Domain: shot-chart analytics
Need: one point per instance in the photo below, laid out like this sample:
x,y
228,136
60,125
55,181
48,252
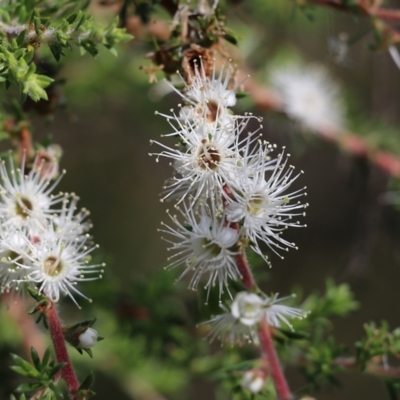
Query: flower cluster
x,y
230,192
43,238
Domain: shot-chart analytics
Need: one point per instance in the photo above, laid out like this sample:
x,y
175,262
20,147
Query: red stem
x,y
269,353
381,13
60,349
245,271
389,15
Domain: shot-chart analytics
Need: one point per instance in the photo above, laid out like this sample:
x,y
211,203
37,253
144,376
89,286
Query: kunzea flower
x,y
260,201
310,97
12,247
276,313
26,199
207,96
203,162
228,329
71,221
239,324
56,263
247,308
203,245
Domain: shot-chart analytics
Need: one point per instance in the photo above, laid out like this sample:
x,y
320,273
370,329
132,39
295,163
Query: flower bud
x,y
82,336
247,308
88,338
47,161
254,380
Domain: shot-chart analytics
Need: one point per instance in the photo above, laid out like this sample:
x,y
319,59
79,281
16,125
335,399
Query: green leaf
x,y
46,356
21,38
36,359
231,39
57,50
72,18
295,334
26,387
22,365
88,382
29,56
58,367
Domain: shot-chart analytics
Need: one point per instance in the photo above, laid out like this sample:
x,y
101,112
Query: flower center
x,y
213,111
52,266
213,249
249,309
208,156
205,249
256,204
23,206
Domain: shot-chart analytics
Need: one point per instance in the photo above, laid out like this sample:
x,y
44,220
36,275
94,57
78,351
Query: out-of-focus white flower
x,y
278,313
56,263
88,338
394,53
260,202
254,380
26,200
239,324
71,222
310,97
228,329
247,308
204,246
10,272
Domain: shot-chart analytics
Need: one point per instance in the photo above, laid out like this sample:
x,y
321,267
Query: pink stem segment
x,y
245,271
389,15
269,353
60,349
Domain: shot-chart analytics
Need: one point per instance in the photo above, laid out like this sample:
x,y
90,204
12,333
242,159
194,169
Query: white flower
x,y
260,202
56,263
240,324
204,162
247,308
204,247
228,329
206,99
26,199
71,222
10,273
277,313
310,97
88,338
254,380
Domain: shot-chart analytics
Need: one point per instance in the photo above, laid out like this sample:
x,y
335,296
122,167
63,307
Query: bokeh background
x,y
352,234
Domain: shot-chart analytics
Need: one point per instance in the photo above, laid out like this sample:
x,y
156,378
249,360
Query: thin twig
x,y
268,100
